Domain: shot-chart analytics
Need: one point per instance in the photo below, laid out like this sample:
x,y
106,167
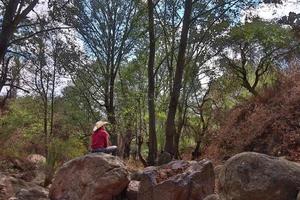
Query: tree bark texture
x,y
177,84
152,154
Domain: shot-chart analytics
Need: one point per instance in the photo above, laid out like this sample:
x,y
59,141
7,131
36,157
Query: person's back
x,y
100,140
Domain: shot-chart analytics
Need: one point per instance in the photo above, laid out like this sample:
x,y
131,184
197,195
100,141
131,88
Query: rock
x,y
94,176
36,159
36,176
254,176
136,176
180,180
298,197
31,194
6,189
16,189
217,170
132,190
21,164
212,197
39,177
164,158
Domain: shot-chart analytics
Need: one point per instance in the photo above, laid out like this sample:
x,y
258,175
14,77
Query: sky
x,y
271,11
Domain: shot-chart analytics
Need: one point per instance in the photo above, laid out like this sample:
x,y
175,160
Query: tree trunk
x,y
176,145
46,126
140,143
110,110
10,22
151,87
175,93
196,152
8,27
127,143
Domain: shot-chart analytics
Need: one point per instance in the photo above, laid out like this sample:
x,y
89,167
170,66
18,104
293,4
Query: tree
x,y
106,28
207,22
175,93
152,154
44,73
204,121
253,49
14,13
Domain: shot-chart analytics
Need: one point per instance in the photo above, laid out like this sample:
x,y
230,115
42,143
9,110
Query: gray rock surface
x,y
254,176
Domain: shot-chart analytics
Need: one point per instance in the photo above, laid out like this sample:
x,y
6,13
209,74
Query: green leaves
x,y
267,34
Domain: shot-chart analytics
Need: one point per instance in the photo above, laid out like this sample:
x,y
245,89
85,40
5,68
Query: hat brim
x,y
99,125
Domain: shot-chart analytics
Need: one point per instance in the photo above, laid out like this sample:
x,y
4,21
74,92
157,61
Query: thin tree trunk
x,y
46,125
177,84
196,152
140,143
151,87
110,110
52,99
127,143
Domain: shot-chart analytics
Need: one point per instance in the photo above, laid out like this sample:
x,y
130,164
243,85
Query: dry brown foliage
x,y
268,124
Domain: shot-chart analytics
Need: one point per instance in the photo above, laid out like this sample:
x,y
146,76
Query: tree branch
x,y
36,33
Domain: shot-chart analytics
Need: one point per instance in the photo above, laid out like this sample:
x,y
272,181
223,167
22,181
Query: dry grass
x,y
133,165
267,124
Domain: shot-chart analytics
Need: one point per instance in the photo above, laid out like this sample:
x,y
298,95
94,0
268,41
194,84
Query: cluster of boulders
x,y
24,181
246,176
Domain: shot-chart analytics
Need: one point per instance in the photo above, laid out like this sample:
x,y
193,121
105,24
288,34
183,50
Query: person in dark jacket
x,y
100,139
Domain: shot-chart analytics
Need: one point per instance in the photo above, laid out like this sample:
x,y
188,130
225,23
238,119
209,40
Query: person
x,y
100,140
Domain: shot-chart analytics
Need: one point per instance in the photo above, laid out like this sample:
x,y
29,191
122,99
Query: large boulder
x,y
254,176
180,180
17,189
92,177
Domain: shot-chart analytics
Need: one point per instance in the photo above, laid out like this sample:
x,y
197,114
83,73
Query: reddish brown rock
x,y
212,197
180,180
132,190
17,189
92,177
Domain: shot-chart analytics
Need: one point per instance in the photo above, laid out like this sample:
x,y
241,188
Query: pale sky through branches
x,y
272,11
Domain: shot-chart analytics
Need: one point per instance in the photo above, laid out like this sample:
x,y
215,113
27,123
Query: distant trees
x,y
20,23
14,13
253,49
44,69
161,72
201,37
14,17
107,29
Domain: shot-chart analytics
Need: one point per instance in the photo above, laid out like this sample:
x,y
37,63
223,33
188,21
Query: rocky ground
x,y
22,179
245,176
